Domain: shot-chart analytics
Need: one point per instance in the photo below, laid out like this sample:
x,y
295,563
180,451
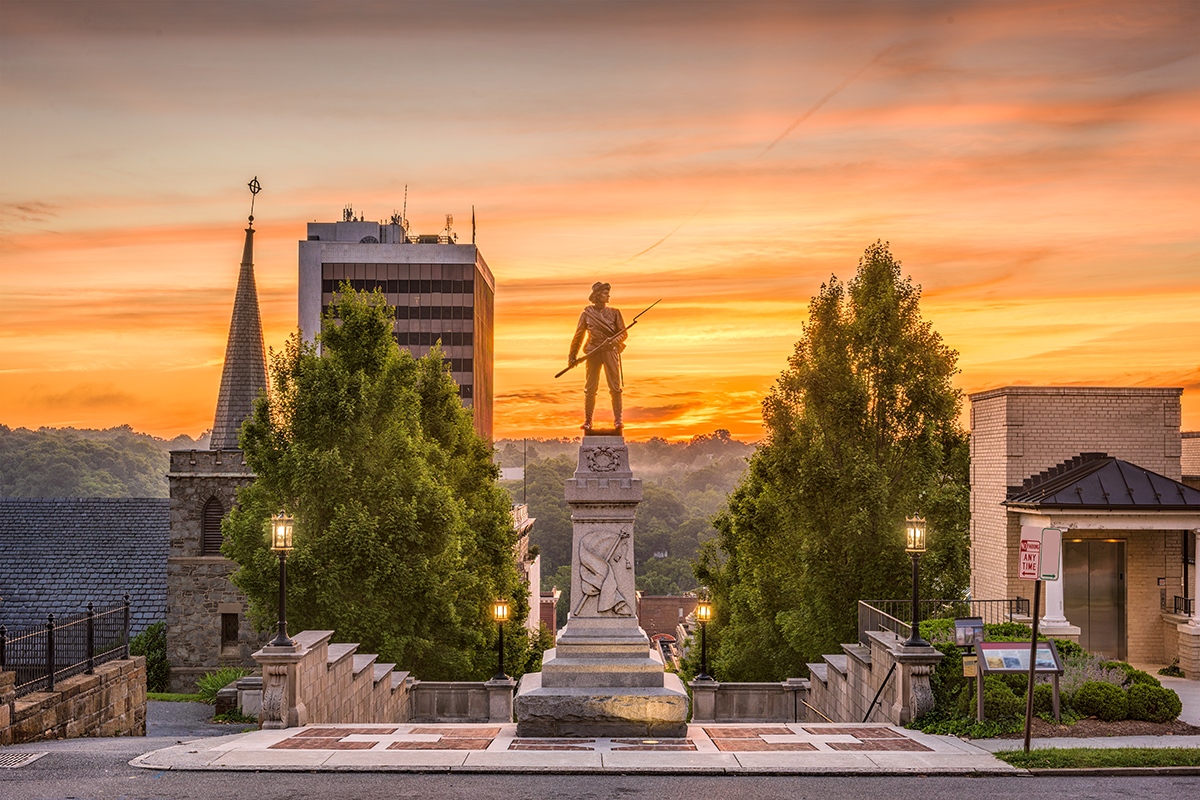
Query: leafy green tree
x,y
403,537
545,493
861,431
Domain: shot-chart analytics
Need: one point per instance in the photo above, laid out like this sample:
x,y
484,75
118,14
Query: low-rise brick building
x,y
1103,466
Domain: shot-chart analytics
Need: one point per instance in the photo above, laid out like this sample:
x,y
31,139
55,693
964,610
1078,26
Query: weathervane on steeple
x,y
255,188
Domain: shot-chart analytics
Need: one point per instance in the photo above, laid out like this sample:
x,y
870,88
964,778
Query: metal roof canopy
x,y
1096,481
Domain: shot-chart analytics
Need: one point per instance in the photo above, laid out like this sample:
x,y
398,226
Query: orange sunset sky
x,y
1035,167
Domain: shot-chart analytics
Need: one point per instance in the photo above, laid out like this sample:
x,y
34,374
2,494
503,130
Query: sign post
x,y
1038,560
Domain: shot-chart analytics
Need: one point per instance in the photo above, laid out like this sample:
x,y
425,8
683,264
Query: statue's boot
x,y
589,408
617,407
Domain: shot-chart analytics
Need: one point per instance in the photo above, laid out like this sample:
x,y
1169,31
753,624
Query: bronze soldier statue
x,y
606,335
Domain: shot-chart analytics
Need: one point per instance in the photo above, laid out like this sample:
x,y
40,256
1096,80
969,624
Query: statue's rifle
x,y
609,341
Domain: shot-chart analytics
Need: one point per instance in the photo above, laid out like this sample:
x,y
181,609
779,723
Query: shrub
x,y
1172,671
999,700
1103,700
213,682
152,643
1043,699
1068,649
1153,703
999,631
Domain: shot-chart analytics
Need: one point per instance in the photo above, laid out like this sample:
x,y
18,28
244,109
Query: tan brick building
x,y
1103,466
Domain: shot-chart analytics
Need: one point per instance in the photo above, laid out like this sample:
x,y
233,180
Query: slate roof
x,y
58,553
1099,481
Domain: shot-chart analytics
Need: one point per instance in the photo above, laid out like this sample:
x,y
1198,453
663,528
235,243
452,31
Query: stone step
x,y
398,679
819,671
362,662
858,653
382,671
838,662
337,652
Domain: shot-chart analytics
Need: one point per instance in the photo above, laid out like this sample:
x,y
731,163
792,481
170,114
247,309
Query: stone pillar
x,y
281,703
913,666
1054,623
500,700
602,678
1189,632
704,700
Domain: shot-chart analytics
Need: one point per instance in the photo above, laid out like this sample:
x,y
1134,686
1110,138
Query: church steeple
x,y
244,376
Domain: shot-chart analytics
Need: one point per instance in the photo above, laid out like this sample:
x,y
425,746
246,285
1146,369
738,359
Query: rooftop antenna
x,y
472,224
348,214
404,208
255,188
449,222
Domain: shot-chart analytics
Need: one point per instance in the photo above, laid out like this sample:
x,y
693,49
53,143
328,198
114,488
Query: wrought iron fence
x,y
41,655
1184,605
896,615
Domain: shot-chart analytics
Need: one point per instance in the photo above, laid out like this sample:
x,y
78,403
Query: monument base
x,y
602,711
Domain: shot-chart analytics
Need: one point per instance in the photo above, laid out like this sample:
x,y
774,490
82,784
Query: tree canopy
x,y
861,432
402,534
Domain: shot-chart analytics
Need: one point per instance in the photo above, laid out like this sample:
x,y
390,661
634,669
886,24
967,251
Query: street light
x,y
500,614
703,615
281,542
914,544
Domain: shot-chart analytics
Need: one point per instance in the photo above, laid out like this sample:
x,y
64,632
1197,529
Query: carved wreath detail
x,y
603,459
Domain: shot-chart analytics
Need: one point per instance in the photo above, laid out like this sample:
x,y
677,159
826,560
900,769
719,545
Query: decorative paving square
x,y
653,745
717,732
446,743
858,732
905,745
586,745
459,733
316,743
760,746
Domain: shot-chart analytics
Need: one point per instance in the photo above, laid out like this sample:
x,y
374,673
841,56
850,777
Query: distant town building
x,y
441,290
661,614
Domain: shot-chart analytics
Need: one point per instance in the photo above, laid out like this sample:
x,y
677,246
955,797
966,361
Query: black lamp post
x,y
500,614
703,615
914,544
281,542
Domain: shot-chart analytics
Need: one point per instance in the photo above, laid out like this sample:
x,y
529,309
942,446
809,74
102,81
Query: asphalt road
x,y
91,769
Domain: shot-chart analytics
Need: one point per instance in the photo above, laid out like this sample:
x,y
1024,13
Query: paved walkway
x,y
708,749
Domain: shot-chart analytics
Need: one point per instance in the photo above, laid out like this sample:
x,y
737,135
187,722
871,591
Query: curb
x,y
1110,772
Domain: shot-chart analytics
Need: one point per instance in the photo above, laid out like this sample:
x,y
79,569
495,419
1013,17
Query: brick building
x,y
661,614
1103,466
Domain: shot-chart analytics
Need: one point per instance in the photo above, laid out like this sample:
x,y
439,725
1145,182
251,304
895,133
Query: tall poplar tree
x,y
861,432
402,535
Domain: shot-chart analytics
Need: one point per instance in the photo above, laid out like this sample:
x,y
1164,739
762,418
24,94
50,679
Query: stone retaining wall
x,y
713,701
844,686
110,702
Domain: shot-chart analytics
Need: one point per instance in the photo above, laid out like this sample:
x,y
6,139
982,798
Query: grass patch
x,y
1066,758
174,697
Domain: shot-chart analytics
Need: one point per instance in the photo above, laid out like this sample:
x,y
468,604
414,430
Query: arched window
x,y
210,528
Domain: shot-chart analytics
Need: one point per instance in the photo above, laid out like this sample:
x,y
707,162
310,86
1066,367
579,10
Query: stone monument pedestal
x,y
602,678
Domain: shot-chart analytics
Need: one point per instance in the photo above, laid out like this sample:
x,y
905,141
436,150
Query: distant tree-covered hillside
x,y
70,462
684,485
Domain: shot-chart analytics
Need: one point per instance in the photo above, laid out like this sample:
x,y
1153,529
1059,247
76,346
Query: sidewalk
x,y
794,748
